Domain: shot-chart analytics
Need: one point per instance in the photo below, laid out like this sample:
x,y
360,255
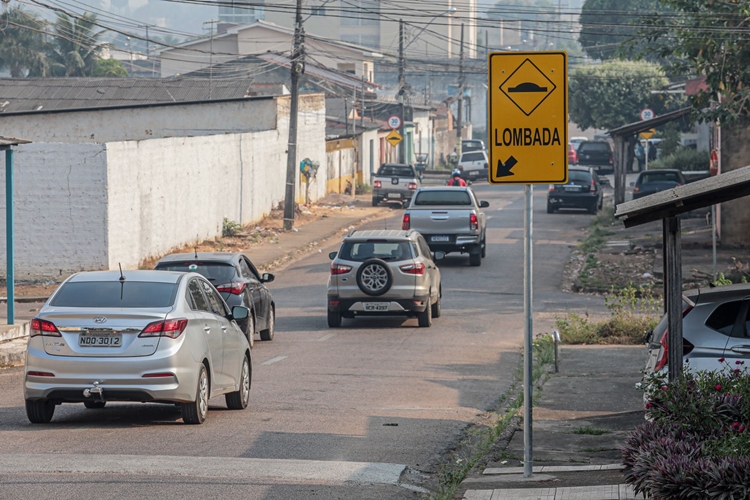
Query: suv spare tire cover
x,y
374,277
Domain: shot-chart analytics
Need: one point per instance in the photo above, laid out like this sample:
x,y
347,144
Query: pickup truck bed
x,y
450,219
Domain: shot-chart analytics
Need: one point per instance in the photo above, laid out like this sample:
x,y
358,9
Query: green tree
x,y
76,46
707,38
612,94
606,24
110,68
22,45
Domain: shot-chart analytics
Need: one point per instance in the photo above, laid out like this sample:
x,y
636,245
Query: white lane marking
x,y
323,339
273,360
489,217
247,468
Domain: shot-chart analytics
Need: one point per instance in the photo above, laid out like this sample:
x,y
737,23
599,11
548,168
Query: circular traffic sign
x,y
647,114
394,121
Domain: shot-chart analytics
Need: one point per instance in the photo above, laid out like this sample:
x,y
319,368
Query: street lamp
x,y
402,78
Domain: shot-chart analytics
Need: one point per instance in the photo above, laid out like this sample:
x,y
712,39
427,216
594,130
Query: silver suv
x,y
384,273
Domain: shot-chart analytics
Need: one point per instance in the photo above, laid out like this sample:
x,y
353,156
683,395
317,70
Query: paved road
x,y
344,413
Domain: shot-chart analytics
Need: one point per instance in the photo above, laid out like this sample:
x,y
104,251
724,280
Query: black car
x,y
238,282
583,190
597,154
653,181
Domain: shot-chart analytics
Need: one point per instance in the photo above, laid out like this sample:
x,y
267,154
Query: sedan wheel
x,y
425,318
40,411
238,400
196,411
267,334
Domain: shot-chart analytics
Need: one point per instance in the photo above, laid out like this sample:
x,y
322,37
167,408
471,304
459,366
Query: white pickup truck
x,y
394,182
450,219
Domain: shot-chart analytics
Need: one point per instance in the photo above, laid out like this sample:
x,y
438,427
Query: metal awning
x,y
643,125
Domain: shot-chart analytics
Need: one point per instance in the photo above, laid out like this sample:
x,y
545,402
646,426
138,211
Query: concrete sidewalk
x,y
267,256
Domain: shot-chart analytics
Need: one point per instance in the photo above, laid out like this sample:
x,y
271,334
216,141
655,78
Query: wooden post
x,y
673,272
619,173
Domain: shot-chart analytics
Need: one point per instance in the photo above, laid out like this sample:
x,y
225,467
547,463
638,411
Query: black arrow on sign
x,y
503,169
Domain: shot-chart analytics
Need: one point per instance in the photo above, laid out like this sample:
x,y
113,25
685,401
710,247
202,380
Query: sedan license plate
x,y
440,238
572,188
375,306
100,340
394,195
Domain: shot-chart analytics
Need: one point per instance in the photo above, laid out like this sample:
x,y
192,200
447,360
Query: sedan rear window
x,y
114,295
395,171
217,273
577,175
455,197
387,250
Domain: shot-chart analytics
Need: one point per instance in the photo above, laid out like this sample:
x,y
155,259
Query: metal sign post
x,y
528,128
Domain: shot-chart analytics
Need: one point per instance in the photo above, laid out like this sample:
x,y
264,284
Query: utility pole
x,y
210,57
401,91
297,68
362,105
460,95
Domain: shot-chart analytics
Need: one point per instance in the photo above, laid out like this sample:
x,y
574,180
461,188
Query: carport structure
x,y
668,205
625,138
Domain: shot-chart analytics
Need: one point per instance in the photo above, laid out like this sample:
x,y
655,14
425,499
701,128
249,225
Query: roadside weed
x,y
591,431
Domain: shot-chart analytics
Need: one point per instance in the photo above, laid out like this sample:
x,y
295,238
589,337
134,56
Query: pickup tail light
x,y
43,328
686,346
473,222
406,222
171,328
417,268
233,288
377,184
337,269
412,186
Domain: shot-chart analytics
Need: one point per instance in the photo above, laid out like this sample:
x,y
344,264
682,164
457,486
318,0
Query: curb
x,y
24,300
13,353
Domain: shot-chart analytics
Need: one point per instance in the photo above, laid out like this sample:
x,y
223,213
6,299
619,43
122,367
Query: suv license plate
x,y
102,340
376,306
394,195
440,238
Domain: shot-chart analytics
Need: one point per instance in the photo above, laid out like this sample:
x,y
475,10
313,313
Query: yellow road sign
x,y
394,138
647,134
528,110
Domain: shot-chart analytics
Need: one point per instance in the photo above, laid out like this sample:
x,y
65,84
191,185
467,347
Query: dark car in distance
x,y
654,181
597,154
583,190
237,280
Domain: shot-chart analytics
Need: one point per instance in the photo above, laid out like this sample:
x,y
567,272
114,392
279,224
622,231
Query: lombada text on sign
x,y
527,137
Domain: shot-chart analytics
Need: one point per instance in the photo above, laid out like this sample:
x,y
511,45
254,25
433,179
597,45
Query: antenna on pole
x,y
195,249
122,276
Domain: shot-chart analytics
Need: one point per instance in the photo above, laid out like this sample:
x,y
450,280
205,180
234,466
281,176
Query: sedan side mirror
x,y
484,204
240,312
332,255
438,255
267,278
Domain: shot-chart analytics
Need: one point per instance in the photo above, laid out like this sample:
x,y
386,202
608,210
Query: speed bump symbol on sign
x,y
394,138
528,110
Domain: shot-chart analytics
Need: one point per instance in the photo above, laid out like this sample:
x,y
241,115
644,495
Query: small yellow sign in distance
x,y
528,117
394,138
647,134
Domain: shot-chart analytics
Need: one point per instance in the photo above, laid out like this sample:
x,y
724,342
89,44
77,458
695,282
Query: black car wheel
x,y
334,319
40,411
374,277
267,334
550,208
375,202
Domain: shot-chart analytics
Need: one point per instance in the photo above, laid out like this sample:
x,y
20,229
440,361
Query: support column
x,y
673,271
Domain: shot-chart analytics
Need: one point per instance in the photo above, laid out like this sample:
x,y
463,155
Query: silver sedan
x,y
144,336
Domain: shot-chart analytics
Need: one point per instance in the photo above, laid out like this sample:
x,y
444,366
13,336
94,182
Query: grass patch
x,y
596,450
479,441
591,431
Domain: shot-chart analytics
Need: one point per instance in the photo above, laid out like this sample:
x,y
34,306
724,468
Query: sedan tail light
x,y
337,269
686,346
43,328
233,288
377,184
417,268
171,328
473,222
636,189
406,222
412,186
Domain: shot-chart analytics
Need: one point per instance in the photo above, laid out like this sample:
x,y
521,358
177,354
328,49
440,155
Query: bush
x,y
685,159
696,445
230,228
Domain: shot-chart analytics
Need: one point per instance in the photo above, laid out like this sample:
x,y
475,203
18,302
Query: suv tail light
x,y
611,160
233,288
337,269
171,328
377,184
592,188
406,222
417,268
686,346
473,222
412,186
43,328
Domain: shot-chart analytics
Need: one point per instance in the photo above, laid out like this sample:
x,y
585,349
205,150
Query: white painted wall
x,y
60,210
364,154
143,122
